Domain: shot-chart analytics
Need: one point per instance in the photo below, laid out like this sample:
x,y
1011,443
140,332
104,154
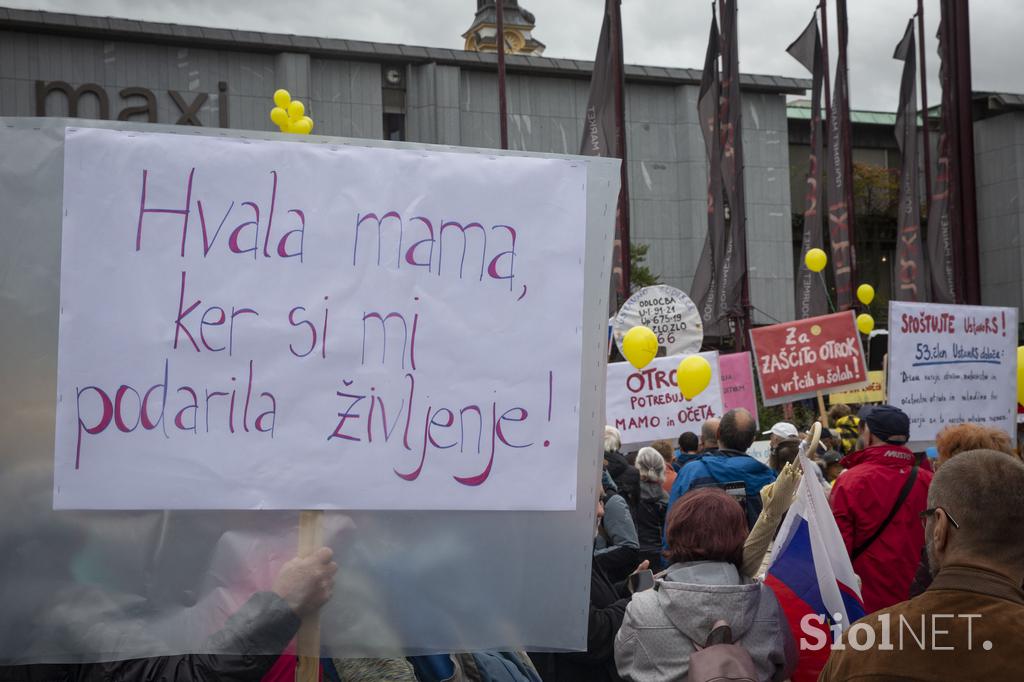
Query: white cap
x,y
782,430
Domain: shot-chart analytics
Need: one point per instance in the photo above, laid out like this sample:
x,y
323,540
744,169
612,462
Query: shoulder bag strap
x,y
857,551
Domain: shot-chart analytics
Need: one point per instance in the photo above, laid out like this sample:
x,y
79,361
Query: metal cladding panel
x,y
693,180
650,103
999,172
769,213
346,97
655,219
479,92
653,141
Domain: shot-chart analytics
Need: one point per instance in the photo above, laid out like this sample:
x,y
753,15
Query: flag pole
x,y
500,43
843,29
620,131
823,5
924,103
748,319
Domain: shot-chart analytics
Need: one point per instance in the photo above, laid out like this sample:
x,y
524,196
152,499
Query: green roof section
x,y
801,110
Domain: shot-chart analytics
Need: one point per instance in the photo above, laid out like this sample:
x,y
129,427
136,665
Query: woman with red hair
x,y
662,627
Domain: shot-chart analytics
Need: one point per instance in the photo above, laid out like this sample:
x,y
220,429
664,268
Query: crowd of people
x,y
681,547
935,542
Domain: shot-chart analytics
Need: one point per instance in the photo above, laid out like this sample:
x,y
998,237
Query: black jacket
x,y
263,625
650,518
626,477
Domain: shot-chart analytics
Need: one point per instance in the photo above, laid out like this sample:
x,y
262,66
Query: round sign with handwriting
x,y
669,313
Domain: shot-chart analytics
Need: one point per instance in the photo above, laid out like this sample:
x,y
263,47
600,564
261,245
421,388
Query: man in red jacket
x,y
877,502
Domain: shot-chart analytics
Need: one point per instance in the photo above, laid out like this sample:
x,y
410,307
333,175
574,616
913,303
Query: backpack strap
x,y
720,633
904,491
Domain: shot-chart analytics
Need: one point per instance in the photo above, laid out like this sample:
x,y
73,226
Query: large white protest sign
x,y
953,364
646,405
253,324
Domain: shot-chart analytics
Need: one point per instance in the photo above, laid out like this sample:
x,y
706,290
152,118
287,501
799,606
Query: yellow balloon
x,y
640,346
282,98
301,127
865,323
310,121
296,110
279,116
286,127
815,260
693,376
865,294
1020,375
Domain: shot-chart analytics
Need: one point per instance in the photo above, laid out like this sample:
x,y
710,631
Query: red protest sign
x,y
797,359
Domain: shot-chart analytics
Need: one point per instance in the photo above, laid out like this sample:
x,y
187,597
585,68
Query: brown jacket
x,y
969,625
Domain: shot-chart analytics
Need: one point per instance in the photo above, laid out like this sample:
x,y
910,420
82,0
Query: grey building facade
x,y
92,67
999,182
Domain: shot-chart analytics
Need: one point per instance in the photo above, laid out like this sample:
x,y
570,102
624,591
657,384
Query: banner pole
x,y
822,414
308,642
885,378
499,6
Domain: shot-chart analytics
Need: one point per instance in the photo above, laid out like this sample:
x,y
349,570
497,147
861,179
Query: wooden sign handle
x,y
822,414
308,643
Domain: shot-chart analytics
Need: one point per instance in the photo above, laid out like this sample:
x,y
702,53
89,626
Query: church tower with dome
x,y
519,25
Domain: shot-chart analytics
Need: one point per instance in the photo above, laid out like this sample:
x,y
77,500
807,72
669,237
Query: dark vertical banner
x,y
909,254
604,135
733,290
811,297
839,190
706,281
965,182
942,204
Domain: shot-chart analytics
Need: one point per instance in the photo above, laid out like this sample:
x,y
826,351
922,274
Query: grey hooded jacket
x,y
660,626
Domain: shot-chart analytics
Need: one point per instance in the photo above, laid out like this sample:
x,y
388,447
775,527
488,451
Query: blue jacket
x,y
720,467
682,459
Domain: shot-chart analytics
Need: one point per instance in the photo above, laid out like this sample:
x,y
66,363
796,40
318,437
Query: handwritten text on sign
x,y
796,359
249,324
953,364
646,405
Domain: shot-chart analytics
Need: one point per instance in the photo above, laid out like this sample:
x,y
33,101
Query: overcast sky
x,y
656,32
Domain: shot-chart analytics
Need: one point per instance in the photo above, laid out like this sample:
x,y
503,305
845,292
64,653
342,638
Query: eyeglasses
x,y
930,512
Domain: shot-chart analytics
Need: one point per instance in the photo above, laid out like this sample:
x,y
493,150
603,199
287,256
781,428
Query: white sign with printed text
x,y
250,324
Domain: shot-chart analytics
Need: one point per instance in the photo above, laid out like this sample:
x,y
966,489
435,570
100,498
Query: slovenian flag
x,y
812,576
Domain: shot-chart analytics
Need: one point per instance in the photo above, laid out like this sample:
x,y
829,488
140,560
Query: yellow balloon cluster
x,y
816,260
865,294
640,346
290,115
693,376
1020,375
865,323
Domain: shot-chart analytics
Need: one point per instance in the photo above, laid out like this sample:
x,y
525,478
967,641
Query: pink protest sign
x,y
738,382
